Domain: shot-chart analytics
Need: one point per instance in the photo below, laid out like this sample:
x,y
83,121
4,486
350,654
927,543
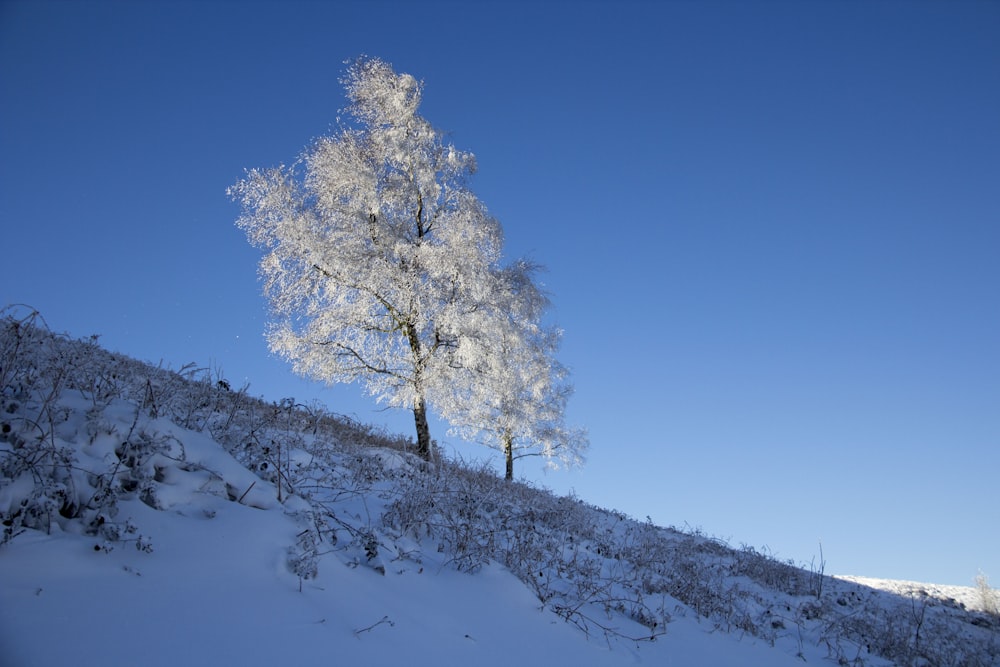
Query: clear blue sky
x,y
772,231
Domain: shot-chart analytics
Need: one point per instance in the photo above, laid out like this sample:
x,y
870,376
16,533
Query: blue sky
x,y
771,230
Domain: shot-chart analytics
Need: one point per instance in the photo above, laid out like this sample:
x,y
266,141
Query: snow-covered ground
x,y
969,597
216,591
161,520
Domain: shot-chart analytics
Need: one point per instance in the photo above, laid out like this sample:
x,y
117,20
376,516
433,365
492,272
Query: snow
x,y
377,558
215,591
965,596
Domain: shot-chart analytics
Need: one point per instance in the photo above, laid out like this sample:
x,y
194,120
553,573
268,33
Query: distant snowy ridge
x,y
165,518
969,597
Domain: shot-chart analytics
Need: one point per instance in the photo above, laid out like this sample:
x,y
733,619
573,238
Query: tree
x,y
513,392
377,251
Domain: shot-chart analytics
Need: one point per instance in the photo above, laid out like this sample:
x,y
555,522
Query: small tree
x,y
377,251
512,392
989,599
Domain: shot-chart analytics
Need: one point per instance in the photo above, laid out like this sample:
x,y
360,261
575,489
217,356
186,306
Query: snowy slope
x,y
968,597
216,590
163,519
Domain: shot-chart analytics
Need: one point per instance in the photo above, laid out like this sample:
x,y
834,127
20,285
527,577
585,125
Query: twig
x,y
240,501
385,619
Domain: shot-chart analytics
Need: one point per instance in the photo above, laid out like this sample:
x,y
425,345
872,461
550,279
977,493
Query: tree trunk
x,y
423,429
420,404
508,452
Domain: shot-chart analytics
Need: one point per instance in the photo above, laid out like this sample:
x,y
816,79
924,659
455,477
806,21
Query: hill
x,y
162,518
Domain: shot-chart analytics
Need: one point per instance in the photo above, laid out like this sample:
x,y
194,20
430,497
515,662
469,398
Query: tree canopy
x,y
382,267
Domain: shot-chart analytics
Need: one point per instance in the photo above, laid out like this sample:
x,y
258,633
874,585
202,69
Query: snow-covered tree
x,y
512,392
377,251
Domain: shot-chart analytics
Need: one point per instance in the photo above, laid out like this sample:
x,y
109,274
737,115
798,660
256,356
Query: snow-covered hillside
x,y
969,597
162,518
